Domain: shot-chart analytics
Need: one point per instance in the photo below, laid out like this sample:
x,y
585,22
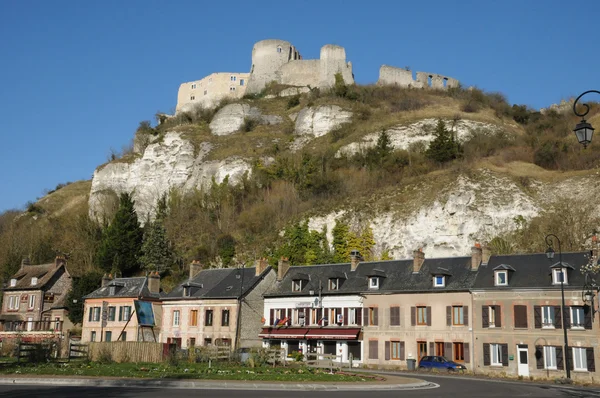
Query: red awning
x,y
310,333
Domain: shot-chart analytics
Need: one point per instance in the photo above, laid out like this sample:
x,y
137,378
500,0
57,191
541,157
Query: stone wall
x,y
268,56
252,312
301,73
333,61
390,75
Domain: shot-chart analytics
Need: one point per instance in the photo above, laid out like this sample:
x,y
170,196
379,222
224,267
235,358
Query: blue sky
x,y
77,77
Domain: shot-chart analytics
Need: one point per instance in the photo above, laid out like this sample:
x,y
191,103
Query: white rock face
x,y
288,92
230,118
464,212
321,120
165,165
402,137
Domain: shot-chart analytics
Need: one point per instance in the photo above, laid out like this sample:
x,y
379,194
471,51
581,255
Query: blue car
x,y
437,362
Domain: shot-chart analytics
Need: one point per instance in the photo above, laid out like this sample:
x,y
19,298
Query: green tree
x,y
121,244
341,236
367,243
226,248
156,253
444,146
83,285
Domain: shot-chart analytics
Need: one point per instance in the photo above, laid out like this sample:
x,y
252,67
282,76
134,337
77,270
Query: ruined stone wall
x,y
211,89
332,61
390,75
301,73
434,80
268,56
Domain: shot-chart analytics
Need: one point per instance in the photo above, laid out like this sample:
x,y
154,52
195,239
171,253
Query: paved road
x,y
449,387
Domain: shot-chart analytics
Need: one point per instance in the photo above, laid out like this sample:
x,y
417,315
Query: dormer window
x,y
439,281
374,282
187,291
112,290
501,278
13,282
559,275
334,283
297,285
34,281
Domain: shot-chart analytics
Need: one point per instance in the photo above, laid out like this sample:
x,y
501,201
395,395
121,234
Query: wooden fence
x,y
126,351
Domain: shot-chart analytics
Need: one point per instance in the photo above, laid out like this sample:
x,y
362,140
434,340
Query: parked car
x,y
438,362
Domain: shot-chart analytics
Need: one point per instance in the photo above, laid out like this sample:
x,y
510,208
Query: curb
x,y
210,385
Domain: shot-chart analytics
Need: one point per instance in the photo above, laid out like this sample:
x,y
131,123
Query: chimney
x,y
418,260
261,266
282,268
476,256
154,282
60,260
25,261
355,259
486,253
195,268
106,280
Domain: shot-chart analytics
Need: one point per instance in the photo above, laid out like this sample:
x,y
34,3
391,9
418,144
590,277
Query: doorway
x,y
523,360
421,349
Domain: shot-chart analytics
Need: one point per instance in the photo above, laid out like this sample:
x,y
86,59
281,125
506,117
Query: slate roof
x,y
532,271
218,283
43,273
136,287
396,276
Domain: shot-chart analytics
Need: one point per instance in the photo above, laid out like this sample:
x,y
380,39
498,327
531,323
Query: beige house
x,y
113,312
211,89
205,310
33,304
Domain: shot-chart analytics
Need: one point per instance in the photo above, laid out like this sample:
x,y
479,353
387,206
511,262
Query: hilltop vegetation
x,y
265,215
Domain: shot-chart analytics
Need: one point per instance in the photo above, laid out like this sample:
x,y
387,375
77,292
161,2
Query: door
x,y
29,324
523,360
421,349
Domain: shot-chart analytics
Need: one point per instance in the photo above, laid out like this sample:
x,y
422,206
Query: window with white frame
x,y
439,281
95,314
501,278
559,275
233,78
352,316
492,316
34,281
579,358
297,285
31,301
193,86
577,317
13,282
495,354
13,302
374,282
334,283
549,357
241,82
458,315
548,316
176,317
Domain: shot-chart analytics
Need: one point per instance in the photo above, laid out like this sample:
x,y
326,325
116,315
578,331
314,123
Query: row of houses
x,y
493,313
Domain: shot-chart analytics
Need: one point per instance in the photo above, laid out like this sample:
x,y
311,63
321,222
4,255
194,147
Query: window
x,y
297,285
231,88
278,49
458,316
123,336
577,317
549,357
373,282
124,313
501,278
192,97
352,316
241,82
395,350
31,301
194,318
34,281
394,316
176,315
93,336
57,323
547,316
579,359
112,311
108,336
13,282
193,86
233,78
496,354
459,351
225,318
421,315
439,281
205,92
558,274
192,341
207,341
334,283
96,314
373,315
208,318
13,302
492,316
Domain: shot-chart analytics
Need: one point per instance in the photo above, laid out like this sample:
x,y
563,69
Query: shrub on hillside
x,y
444,146
293,101
249,124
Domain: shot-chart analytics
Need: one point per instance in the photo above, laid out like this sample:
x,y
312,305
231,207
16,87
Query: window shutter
x,y
319,315
428,316
395,316
539,356
587,321
375,316
568,317
345,316
486,354
402,350
485,316
90,314
431,348
504,348
120,314
271,316
520,316
448,315
466,314
570,358
358,316
413,316
498,315
387,350
591,365
448,351
366,317
289,317
467,353
560,364
557,317
537,316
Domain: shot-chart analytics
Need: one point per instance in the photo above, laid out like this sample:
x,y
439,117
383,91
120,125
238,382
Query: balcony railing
x,y
31,326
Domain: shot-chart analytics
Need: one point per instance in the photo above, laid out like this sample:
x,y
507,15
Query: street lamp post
x,y
240,275
550,255
583,130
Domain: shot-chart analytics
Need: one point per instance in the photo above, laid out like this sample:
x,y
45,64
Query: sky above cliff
x,y
77,77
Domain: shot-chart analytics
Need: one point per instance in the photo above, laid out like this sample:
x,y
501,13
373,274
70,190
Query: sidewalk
x,y
391,383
